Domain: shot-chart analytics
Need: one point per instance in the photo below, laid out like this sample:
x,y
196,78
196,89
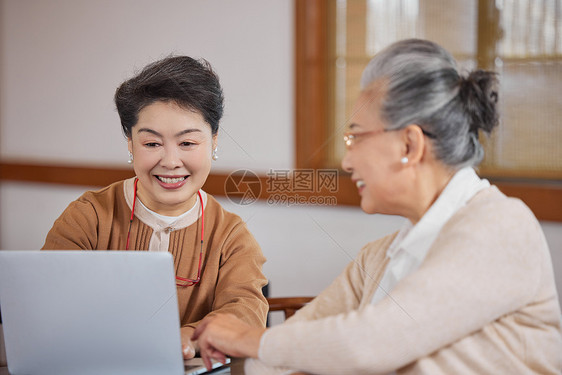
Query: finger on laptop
x,y
188,347
188,351
210,354
229,335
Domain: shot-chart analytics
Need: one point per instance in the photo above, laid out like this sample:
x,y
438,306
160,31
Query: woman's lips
x,y
360,185
171,182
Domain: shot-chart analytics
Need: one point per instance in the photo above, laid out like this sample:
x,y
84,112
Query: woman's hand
x,y
187,346
224,334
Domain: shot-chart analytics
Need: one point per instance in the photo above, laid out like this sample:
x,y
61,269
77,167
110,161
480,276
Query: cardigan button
x,y
169,229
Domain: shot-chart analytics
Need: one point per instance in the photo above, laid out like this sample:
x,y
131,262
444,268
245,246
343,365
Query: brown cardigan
x,y
231,276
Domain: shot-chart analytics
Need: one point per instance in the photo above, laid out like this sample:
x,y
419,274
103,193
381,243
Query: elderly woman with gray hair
x,y
465,287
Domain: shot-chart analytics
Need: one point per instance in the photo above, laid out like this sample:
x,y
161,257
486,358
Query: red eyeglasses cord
x,y
180,281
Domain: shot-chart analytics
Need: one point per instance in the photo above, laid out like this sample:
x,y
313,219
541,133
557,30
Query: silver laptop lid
x,y
90,312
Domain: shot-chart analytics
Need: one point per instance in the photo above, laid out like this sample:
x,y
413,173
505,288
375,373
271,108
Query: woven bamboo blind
x,y
520,39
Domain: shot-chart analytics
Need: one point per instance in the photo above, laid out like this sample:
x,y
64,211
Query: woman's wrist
x,y
253,342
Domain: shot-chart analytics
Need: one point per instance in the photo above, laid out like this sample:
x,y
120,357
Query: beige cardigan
x,y
483,301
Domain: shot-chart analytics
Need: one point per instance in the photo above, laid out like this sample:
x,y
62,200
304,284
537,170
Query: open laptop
x,y
90,312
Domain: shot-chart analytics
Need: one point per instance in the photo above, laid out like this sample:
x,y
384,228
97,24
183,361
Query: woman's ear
x,y
130,145
414,142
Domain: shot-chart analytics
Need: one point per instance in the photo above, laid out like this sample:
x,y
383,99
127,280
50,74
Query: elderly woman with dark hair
x,y
170,115
465,287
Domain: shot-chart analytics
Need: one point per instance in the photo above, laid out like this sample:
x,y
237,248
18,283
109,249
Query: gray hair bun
x,y
422,86
479,93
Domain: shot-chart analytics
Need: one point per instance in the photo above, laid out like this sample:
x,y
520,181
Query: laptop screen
x,y
90,312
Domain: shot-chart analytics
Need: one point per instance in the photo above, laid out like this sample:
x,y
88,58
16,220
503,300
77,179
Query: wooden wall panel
x,y
544,200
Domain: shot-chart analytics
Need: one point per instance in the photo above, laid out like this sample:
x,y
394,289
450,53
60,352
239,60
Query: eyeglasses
x,y
183,282
350,138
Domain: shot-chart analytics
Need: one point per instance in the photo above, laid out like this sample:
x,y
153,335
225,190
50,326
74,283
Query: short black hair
x,y
191,84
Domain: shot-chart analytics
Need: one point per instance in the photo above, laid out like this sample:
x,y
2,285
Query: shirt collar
x,y
157,223
417,239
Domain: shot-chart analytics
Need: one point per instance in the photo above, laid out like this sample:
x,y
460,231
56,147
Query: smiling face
x,y
171,149
373,156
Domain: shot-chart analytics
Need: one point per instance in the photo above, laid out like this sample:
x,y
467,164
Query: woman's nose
x,y
171,158
346,163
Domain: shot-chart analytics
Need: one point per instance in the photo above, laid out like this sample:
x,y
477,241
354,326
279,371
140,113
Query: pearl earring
x,y
404,160
215,156
130,161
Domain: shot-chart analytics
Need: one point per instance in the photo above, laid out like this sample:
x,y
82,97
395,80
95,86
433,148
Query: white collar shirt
x,y
412,243
162,226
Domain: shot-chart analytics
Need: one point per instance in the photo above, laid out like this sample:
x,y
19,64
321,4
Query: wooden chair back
x,y
289,305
